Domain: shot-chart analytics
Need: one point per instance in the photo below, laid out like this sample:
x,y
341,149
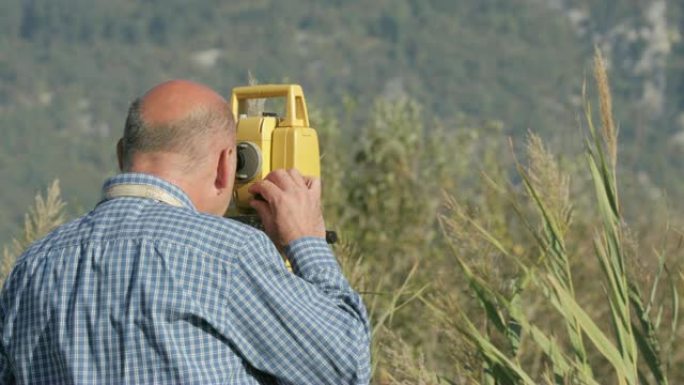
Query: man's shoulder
x,y
131,220
204,232
212,231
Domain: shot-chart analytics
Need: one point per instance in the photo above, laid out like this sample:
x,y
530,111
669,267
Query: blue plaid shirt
x,y
141,292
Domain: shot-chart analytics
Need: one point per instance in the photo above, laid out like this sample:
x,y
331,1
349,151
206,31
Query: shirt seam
x,y
63,246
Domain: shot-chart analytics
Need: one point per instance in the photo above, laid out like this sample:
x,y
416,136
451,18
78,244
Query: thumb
x,y
262,208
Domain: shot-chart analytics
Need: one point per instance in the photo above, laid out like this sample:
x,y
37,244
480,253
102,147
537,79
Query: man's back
x,y
139,291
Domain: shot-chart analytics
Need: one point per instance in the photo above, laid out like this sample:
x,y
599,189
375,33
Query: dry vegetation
x,y
529,276
46,214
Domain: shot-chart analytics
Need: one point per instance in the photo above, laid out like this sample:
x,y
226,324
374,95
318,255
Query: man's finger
x,y
262,208
282,179
267,189
297,177
314,185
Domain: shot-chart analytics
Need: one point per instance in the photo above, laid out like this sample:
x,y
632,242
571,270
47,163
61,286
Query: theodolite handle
x,y
296,114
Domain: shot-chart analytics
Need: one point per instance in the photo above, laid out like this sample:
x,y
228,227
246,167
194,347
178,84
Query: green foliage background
x,y
68,69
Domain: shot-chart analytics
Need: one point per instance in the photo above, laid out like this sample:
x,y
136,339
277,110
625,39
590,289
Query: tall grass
x,y
576,348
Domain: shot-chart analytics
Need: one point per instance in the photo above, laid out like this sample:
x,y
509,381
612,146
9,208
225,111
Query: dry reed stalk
x,y
255,107
546,177
46,214
610,133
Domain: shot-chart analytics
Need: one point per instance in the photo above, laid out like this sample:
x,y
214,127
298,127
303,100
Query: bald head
x,y
178,117
175,100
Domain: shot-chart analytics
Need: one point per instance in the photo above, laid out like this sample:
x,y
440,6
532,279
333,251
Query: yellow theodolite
x,y
267,142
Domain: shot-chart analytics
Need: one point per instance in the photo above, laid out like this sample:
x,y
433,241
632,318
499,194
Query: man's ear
x,y
223,171
119,153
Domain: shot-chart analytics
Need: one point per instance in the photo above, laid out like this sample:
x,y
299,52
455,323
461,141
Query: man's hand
x,y
291,206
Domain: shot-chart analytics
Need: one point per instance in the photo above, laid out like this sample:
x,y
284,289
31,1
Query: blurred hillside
x,y
69,68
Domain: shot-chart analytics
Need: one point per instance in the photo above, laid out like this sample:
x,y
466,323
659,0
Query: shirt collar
x,y
150,180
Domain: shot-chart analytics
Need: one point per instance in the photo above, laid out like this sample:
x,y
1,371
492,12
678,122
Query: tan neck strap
x,y
142,191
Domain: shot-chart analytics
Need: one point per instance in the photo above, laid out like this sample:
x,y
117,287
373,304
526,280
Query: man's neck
x,y
172,169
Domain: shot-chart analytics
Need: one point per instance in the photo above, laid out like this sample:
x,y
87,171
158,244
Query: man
x,y
154,287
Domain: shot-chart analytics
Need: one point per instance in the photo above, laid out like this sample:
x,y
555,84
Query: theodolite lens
x,y
240,160
248,161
